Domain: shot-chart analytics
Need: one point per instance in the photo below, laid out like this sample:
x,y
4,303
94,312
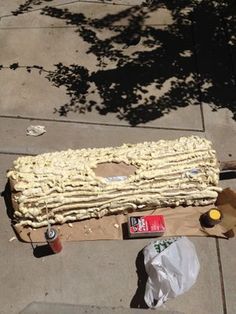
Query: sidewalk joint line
x,y
221,277
202,116
64,27
98,124
70,2
198,73
16,153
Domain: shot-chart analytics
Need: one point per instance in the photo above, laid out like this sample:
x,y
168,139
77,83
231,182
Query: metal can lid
x,y
214,214
50,233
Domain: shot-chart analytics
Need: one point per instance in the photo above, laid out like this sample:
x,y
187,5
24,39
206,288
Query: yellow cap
x,y
215,214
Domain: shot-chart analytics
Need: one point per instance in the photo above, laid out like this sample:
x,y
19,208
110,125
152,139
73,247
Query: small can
x,y
211,218
53,240
146,226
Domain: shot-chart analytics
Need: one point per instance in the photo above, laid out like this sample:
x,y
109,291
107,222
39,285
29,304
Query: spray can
x,y
53,240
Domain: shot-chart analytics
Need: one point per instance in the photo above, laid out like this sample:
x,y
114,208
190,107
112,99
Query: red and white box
x,y
146,226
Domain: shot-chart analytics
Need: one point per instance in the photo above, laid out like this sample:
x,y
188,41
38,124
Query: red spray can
x,y
53,240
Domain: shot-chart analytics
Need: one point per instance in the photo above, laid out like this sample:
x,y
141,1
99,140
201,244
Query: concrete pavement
x,y
146,92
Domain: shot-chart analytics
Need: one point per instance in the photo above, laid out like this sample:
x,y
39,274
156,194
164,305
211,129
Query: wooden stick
x,y
49,225
228,165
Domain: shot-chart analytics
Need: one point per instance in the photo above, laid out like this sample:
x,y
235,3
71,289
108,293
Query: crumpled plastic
x,y
35,130
172,266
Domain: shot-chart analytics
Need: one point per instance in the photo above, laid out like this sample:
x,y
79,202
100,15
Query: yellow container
x,y
211,218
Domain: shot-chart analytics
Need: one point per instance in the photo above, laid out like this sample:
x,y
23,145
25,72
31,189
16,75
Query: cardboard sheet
x,y
179,221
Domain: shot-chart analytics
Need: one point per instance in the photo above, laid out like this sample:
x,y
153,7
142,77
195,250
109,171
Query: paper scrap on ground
x,y
12,239
35,130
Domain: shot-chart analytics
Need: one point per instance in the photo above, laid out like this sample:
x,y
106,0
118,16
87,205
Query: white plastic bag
x,y
172,266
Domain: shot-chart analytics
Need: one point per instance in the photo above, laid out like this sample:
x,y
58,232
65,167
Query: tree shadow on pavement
x,y
126,82
28,5
146,71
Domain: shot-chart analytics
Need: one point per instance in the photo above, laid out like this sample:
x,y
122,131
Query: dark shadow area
x,y
42,251
227,175
203,222
190,60
6,194
230,234
125,231
138,298
214,54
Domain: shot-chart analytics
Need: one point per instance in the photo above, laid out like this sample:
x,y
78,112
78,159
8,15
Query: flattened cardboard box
x,y
179,221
